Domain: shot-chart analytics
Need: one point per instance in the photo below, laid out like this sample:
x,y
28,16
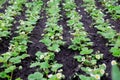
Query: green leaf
x,y
23,56
54,47
38,54
46,41
6,56
110,35
4,75
35,64
54,77
49,57
18,59
115,72
44,65
56,66
79,58
10,69
82,77
73,47
115,51
85,50
117,42
36,76
18,79
15,60
1,59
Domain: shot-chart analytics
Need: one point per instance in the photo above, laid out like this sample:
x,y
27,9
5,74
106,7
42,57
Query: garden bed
x,y
99,43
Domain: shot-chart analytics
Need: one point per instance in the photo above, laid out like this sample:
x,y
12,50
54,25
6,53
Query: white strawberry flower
x,y
97,76
113,62
97,56
102,71
42,56
59,75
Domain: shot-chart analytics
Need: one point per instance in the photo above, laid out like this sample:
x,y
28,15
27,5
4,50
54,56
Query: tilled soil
x,y
65,56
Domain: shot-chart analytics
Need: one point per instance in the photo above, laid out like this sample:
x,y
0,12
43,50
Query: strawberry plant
x,y
89,60
36,76
94,74
47,64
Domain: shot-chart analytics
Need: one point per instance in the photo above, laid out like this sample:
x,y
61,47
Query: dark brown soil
x,y
65,56
63,23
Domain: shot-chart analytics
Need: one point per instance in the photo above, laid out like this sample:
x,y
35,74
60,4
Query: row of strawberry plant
x,y
18,45
104,28
52,36
81,42
113,7
7,18
49,69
